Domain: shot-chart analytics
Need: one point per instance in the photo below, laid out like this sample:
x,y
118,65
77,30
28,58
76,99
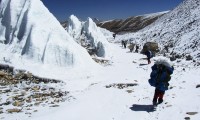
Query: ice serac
x,y
97,39
74,27
88,34
28,31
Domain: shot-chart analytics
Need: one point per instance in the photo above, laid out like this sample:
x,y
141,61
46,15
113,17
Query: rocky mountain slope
x,y
178,30
132,24
64,24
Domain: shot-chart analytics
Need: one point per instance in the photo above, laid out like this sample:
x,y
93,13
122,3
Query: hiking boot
x,y
154,101
160,101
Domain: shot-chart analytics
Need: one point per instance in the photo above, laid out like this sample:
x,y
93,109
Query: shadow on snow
x,y
142,64
147,108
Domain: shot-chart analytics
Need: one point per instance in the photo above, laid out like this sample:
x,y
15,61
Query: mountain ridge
x,y
131,24
178,29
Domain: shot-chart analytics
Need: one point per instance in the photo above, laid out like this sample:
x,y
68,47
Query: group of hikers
x,y
131,45
161,71
160,75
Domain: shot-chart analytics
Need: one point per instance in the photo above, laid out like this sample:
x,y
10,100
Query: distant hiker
x,y
149,55
136,49
131,47
160,77
114,35
125,43
166,48
122,42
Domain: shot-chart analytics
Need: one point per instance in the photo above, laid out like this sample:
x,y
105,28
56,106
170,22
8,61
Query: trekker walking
x,y
122,43
149,55
125,43
160,77
114,35
136,49
131,46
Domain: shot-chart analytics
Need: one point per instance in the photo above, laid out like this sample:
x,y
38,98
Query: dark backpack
x,y
150,54
164,77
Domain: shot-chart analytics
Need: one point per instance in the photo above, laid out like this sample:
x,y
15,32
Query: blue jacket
x,y
160,77
149,54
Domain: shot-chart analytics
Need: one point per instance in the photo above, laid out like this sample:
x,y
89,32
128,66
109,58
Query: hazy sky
x,y
107,9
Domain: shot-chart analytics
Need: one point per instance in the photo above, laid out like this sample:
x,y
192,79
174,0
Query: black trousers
x,y
158,95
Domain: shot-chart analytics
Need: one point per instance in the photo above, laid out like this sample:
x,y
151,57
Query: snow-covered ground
x,y
118,91
94,101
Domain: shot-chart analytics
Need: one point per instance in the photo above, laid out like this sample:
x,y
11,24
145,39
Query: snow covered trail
x,y
97,97
96,102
